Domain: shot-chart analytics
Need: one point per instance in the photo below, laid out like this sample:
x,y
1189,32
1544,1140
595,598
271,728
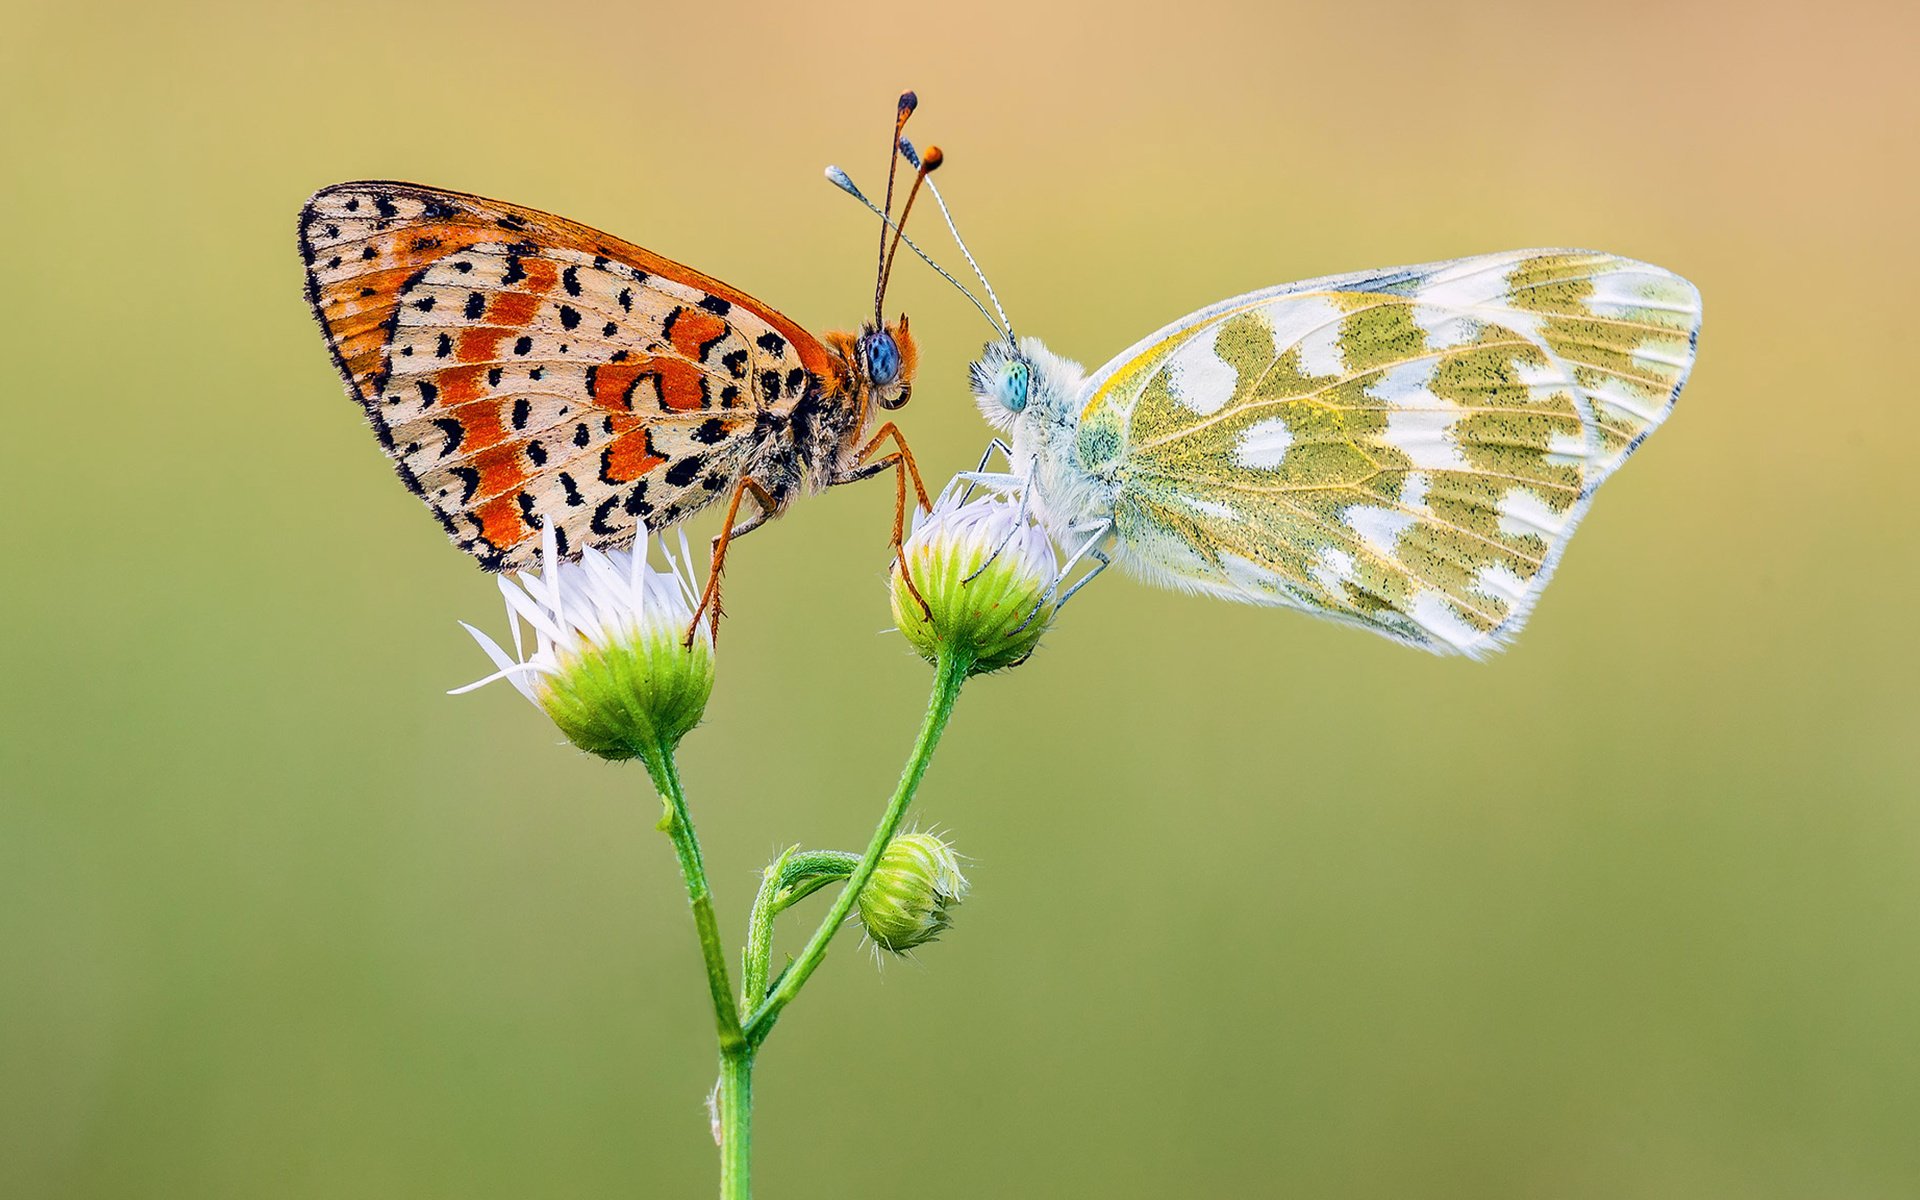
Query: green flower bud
x,y
609,665
985,573
910,898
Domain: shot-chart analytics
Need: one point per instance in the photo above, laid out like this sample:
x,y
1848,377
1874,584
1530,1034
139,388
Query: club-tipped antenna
x,y
921,171
840,179
913,160
908,102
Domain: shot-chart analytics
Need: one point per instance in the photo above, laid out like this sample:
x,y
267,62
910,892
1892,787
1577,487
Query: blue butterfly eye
x,y
883,358
1013,385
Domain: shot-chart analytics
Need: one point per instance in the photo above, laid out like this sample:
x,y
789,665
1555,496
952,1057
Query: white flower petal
x,y
601,600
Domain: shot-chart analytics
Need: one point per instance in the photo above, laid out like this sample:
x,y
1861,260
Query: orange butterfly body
x,y
523,370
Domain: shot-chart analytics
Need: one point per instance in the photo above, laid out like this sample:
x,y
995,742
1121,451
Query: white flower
x,y
987,576
608,662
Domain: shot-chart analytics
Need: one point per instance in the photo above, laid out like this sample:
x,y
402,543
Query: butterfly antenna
x,y
921,171
908,102
840,179
913,159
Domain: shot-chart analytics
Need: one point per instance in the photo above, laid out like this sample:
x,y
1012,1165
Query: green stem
x,y
753,972
795,876
736,1123
949,674
686,846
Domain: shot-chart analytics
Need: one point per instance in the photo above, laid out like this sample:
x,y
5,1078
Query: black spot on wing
x,y
455,431
601,512
688,469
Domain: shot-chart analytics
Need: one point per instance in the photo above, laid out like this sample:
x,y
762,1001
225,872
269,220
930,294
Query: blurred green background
x,y
278,918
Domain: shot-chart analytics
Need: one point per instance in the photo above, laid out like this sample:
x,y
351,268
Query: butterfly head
x,y
1012,379
887,357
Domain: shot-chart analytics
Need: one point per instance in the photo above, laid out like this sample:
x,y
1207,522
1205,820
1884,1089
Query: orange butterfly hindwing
x,y
521,368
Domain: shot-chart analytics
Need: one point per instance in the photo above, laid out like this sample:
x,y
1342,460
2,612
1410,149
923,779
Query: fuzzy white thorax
x,y
1043,424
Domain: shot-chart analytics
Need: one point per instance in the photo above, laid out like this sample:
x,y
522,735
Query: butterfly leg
x,y
1099,557
1088,549
710,597
995,480
971,477
1019,523
904,468
901,459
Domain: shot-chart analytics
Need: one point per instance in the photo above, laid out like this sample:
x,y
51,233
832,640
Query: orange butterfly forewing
x,y
522,369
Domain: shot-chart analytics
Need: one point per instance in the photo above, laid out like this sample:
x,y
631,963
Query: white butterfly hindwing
x,y
1408,450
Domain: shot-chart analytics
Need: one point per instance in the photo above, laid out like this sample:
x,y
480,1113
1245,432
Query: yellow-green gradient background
x,y
1263,907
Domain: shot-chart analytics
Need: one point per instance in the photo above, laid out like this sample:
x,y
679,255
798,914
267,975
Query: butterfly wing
x,y
1407,450
520,368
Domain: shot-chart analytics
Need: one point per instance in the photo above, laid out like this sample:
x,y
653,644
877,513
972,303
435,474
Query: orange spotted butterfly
x,y
523,370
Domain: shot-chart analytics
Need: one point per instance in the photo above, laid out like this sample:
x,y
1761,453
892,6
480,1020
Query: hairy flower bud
x,y
909,900
609,665
986,574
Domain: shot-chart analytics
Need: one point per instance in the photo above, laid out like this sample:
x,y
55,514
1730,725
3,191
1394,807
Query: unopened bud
x,y
909,900
986,576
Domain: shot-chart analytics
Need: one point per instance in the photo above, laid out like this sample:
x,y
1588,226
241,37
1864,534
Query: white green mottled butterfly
x,y
1407,450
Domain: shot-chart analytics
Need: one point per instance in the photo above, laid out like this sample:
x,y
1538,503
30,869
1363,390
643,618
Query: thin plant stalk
x,y
678,827
786,882
736,1123
950,672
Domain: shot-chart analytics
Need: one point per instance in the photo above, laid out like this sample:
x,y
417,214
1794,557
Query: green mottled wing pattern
x,y
1407,450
